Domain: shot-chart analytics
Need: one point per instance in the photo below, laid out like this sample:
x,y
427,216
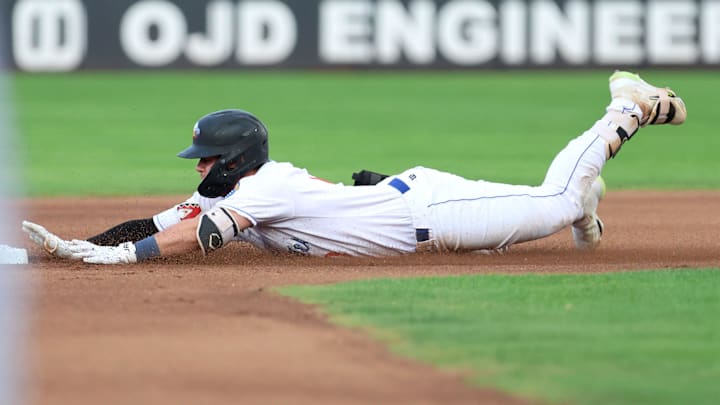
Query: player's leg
x,y
635,103
473,215
484,215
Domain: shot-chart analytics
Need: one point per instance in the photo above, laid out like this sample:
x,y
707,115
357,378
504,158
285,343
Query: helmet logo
x,y
196,131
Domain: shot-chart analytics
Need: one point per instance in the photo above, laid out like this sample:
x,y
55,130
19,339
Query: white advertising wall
x,y
66,35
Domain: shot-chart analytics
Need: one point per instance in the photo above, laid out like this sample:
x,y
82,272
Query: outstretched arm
x,y
207,232
129,231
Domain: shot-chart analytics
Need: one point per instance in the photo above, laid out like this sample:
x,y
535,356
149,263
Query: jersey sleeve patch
x,y
188,210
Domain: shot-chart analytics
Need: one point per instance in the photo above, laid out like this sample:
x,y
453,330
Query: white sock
x,y
623,116
625,106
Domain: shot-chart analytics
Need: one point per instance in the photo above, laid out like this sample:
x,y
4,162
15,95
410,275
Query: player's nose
x,y
204,165
201,168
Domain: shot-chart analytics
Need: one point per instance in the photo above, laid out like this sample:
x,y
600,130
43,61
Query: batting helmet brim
x,y
202,151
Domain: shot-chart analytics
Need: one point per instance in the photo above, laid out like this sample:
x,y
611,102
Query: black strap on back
x,y
367,178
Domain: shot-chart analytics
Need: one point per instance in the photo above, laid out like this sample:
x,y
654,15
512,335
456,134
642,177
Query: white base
x,y
11,255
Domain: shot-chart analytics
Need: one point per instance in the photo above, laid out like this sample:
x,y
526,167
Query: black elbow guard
x,y
216,227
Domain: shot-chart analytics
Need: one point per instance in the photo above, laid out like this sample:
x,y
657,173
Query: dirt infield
x,y
193,331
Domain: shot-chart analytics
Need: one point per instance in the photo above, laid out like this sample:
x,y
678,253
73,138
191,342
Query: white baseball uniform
x,y
290,210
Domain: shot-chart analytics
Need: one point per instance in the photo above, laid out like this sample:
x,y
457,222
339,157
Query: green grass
x,y
106,133
620,338
647,337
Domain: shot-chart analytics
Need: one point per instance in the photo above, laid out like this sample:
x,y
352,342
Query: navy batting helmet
x,y
238,138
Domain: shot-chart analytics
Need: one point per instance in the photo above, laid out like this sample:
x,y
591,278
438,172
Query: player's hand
x,y
48,241
90,253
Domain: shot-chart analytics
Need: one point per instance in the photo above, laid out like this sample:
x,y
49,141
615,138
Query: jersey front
x,y
290,210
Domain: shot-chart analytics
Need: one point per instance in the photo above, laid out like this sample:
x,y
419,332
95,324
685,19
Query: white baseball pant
x,y
464,214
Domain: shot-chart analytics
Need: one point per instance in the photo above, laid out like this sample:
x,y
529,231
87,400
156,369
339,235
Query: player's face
x,y
204,165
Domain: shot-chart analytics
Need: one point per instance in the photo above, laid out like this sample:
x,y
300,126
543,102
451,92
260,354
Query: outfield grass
x,y
117,133
646,337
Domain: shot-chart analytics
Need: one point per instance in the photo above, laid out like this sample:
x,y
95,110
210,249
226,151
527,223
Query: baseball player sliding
x,y
245,196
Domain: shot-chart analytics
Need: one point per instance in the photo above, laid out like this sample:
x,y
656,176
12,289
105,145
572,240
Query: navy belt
x,y
421,234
